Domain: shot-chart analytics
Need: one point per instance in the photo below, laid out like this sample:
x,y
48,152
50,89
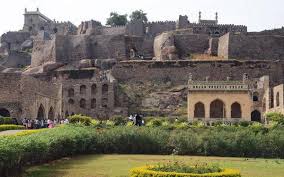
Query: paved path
x,y
10,132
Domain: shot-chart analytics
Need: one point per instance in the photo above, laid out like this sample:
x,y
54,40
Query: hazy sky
x,y
256,14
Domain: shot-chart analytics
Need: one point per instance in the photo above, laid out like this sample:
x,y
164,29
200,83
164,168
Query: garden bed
x,y
151,171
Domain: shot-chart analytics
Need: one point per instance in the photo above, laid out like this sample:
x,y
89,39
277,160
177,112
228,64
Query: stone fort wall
x,y
250,46
177,72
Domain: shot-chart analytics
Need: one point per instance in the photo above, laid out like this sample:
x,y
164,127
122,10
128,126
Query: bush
x,y
11,127
276,117
50,144
244,123
78,118
154,123
7,120
183,168
119,120
149,171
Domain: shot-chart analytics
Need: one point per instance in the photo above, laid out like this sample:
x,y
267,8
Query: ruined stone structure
x,y
51,70
228,100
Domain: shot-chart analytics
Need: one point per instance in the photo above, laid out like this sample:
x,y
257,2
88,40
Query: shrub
x,y
110,123
78,118
11,127
147,171
119,120
244,123
181,125
154,123
276,117
183,168
7,120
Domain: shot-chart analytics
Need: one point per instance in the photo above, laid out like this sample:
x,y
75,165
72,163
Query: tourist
x,y
66,121
25,122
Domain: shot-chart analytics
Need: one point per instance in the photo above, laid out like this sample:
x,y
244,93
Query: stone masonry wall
x,y
187,44
264,47
223,46
43,51
177,72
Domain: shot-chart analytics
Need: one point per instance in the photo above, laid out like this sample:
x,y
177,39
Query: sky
x,y
257,15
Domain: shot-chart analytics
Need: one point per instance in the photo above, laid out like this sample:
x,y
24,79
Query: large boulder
x,y
27,44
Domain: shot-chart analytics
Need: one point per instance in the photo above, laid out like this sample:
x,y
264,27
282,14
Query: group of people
x,y
36,124
137,119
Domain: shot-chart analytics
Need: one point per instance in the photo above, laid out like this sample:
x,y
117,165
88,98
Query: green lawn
x,y
119,165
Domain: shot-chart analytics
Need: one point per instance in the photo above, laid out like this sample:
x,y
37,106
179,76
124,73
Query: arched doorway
x,y
105,89
83,103
217,109
83,89
51,113
199,110
256,116
4,112
40,113
236,110
277,99
255,96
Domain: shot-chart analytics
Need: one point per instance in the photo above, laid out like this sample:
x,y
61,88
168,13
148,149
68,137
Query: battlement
x,y
217,85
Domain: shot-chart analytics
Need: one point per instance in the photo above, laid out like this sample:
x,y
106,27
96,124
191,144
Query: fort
x,y
51,69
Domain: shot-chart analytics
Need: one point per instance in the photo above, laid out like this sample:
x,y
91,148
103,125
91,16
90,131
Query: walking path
x,y
10,132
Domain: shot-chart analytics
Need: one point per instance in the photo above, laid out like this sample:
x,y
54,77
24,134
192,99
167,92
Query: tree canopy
x,y
138,15
116,19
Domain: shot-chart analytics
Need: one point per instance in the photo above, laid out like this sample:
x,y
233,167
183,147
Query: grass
x,y
119,165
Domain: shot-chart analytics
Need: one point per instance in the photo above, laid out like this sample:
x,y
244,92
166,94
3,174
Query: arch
x,y
71,101
93,103
255,96
104,102
104,89
236,110
83,103
199,110
83,89
4,112
55,30
71,92
41,113
217,33
51,113
277,99
256,116
217,109
94,89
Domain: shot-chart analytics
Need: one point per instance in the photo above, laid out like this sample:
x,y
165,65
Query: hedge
x,y
11,127
146,171
7,120
51,144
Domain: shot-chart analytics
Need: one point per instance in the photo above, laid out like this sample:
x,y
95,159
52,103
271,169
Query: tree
x,y
138,15
116,19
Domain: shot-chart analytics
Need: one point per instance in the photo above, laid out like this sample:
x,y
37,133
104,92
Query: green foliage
x,y
138,15
276,117
6,120
119,120
11,127
80,119
154,123
151,171
116,19
17,151
244,123
183,168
